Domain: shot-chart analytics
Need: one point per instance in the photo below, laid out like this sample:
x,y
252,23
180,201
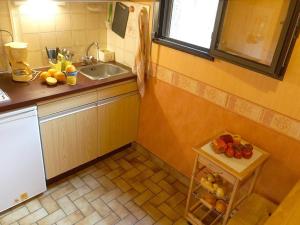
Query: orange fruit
x,y
52,72
60,77
70,68
44,75
51,81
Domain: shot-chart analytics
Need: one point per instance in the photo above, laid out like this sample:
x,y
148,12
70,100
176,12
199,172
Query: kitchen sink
x,y
102,71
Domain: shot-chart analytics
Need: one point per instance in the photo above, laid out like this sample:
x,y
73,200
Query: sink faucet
x,y
88,59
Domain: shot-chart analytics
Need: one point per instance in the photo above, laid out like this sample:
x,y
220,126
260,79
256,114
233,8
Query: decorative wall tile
x,y
215,95
285,125
164,74
252,111
185,83
244,108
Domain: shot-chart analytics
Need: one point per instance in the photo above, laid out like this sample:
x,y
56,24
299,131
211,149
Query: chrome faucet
x,y
88,59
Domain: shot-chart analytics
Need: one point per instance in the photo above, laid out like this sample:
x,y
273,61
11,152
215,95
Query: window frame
x,y
161,26
285,44
282,54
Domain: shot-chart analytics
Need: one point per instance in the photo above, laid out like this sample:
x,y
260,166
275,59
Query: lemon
x,y
44,75
70,68
51,81
52,72
60,77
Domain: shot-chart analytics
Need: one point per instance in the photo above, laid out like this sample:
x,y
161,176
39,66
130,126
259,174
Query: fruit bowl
x,y
231,146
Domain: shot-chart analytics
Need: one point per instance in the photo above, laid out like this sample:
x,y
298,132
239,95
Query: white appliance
x,y
22,174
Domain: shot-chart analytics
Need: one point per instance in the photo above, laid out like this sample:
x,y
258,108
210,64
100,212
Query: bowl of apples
x,y
231,146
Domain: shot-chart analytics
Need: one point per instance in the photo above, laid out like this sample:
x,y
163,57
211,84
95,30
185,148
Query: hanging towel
x,y
141,65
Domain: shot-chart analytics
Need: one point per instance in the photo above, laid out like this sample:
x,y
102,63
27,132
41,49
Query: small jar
x,y
72,78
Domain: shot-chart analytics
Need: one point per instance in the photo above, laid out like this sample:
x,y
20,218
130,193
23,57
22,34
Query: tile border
x,y
233,103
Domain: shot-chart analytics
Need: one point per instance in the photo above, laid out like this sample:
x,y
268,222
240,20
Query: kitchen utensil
x,y
120,19
56,52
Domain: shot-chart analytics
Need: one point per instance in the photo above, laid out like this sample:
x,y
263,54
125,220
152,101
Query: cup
x,y
72,78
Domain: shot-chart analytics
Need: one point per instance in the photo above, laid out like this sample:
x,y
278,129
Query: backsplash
x,y
125,49
72,25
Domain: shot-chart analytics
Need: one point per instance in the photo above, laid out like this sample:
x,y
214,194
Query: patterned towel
x,y
141,65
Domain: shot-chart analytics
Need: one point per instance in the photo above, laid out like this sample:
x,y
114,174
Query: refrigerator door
x,y
22,173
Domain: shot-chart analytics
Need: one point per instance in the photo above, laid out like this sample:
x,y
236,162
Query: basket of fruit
x,y
231,146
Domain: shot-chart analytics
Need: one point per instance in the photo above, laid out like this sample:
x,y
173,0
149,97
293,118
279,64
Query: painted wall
x,y
191,99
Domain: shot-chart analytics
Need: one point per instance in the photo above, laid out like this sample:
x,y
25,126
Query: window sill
x,y
183,48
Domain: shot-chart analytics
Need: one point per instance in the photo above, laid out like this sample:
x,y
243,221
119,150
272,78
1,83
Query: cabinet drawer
x,y
116,90
213,167
61,104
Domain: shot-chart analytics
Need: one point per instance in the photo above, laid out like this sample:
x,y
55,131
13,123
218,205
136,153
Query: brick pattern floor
x,y
127,188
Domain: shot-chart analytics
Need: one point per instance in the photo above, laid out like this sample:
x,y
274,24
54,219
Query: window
x,y
258,35
192,21
188,24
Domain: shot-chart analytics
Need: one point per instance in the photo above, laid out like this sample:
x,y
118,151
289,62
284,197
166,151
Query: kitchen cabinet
x,y
85,126
117,121
69,137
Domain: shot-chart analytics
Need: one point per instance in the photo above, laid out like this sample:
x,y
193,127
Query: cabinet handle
x,y
116,98
67,112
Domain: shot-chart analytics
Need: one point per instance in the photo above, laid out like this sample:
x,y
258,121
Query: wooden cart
x,y
237,177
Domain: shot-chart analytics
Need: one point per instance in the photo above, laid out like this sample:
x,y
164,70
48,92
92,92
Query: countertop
x,y
24,94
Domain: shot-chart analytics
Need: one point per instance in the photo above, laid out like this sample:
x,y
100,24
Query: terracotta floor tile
x,y
84,206
130,187
135,210
33,217
14,216
52,218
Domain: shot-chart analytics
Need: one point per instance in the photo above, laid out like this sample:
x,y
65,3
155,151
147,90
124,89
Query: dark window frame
x,y
283,52
161,32
283,49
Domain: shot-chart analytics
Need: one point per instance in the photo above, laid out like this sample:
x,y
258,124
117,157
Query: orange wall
x,y
173,121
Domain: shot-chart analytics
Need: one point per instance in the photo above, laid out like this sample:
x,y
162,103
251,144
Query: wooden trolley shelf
x,y
234,180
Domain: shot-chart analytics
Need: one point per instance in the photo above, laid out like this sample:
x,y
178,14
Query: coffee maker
x,y
17,57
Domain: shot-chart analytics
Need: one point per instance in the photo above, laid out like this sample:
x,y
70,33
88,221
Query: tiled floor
x,y
126,188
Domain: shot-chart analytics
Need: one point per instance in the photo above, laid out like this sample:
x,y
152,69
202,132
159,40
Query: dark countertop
x,y
27,94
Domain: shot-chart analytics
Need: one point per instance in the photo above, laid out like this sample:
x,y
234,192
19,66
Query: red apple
x,y
247,151
219,146
229,151
227,138
247,154
238,154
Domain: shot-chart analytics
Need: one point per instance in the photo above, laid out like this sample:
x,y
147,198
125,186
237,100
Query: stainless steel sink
x,y
102,71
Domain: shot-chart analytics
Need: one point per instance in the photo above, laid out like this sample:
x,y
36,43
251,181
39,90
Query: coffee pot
x,y
17,57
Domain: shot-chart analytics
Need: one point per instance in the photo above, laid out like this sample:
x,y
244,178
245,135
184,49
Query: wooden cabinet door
x,y
69,140
118,121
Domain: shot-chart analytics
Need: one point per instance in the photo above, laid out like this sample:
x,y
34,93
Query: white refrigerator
x,y
22,174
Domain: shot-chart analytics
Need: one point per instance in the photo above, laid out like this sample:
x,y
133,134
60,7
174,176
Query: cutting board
x,y
120,19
